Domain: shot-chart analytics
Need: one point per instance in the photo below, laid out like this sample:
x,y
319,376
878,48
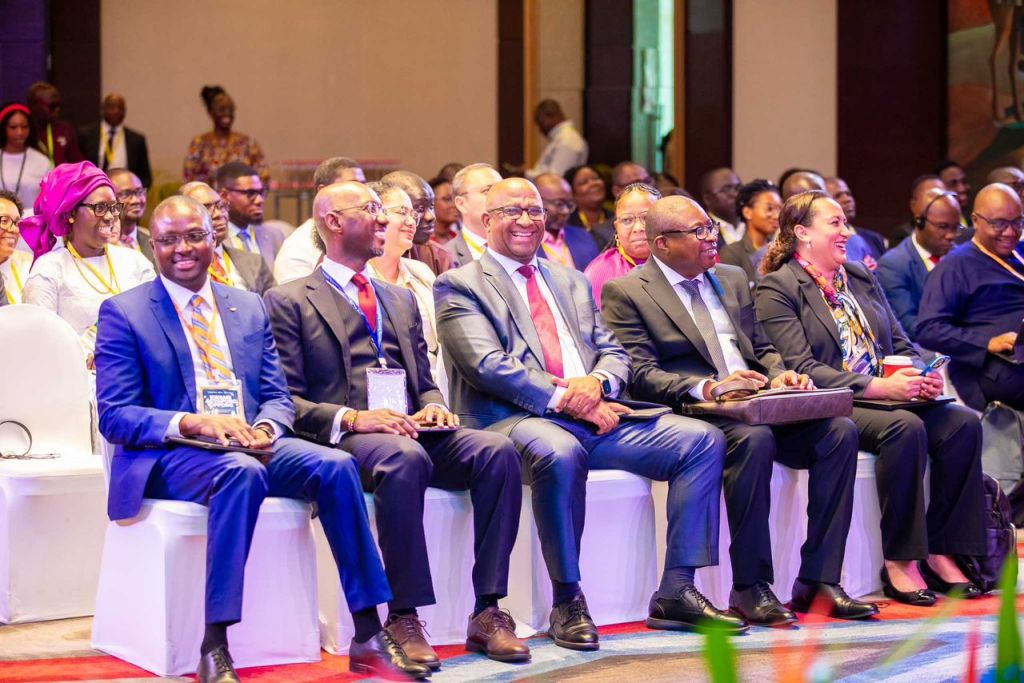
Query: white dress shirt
x,y
922,252
572,361
297,256
119,159
730,233
566,148
727,336
15,271
477,244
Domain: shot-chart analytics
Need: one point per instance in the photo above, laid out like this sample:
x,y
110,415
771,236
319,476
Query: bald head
x,y
348,232
113,109
719,189
556,194
802,181
997,216
627,173
676,220
668,213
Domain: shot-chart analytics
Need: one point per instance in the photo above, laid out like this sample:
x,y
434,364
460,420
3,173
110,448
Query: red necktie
x,y
544,321
934,259
367,300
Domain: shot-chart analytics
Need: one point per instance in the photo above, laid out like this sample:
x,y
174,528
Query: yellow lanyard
x,y
252,238
561,255
108,149
998,260
17,281
225,279
586,221
479,251
49,142
112,287
626,256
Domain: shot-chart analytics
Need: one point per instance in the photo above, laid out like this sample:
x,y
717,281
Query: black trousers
x,y
1001,380
399,470
948,438
828,450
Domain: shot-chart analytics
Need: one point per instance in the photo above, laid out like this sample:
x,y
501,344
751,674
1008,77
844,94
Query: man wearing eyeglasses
x,y
132,193
690,330
240,186
903,270
356,362
529,356
229,266
973,304
567,245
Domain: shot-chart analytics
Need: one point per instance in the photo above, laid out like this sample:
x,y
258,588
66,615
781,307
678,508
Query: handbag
x,y
739,400
985,570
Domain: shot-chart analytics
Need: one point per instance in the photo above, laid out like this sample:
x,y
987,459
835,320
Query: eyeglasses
x,y
101,209
372,208
701,232
220,206
514,213
138,193
8,224
251,195
404,212
1002,225
563,205
955,228
193,237
629,220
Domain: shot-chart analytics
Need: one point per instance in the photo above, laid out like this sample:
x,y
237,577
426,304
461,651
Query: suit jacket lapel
x,y
559,286
399,324
321,296
167,315
502,283
918,269
229,318
242,266
661,291
815,300
732,308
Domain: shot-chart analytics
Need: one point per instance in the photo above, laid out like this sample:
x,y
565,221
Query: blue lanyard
x,y
376,338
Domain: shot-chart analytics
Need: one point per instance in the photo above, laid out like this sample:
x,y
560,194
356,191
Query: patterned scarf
x,y
856,340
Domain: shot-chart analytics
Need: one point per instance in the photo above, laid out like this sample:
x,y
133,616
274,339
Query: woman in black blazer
x,y
829,319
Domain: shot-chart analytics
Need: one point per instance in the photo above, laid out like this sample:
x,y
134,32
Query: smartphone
x,y
936,364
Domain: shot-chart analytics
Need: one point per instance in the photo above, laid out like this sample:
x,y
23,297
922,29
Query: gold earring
x,y
71,220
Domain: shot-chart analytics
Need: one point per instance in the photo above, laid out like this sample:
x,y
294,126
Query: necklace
x,y
111,287
17,187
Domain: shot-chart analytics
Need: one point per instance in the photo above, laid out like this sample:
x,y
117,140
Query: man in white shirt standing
x,y
566,148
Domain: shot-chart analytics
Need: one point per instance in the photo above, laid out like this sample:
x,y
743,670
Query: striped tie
x,y
210,352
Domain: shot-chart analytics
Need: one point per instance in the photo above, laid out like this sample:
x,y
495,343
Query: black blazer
x,y
799,324
253,269
741,254
134,147
668,352
311,338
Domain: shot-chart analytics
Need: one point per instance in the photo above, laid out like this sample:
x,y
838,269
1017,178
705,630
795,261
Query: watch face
x,y
606,387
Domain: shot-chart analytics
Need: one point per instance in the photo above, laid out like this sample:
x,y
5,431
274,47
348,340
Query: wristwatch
x,y
606,386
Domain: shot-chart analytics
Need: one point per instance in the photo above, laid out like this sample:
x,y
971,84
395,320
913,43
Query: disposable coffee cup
x,y
890,364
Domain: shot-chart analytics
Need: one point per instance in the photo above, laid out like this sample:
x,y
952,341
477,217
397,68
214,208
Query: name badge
x,y
221,398
385,388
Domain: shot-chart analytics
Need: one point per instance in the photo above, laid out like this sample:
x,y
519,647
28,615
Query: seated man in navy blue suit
x,y
569,245
903,269
166,348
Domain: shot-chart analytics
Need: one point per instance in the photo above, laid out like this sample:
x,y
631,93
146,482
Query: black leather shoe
x,y
922,597
832,597
572,627
216,666
936,583
758,605
382,657
690,611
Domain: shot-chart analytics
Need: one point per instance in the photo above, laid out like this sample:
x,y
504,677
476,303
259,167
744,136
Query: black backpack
x,y
985,570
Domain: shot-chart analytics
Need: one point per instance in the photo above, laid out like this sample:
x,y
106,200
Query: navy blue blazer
x,y
902,275
144,376
581,246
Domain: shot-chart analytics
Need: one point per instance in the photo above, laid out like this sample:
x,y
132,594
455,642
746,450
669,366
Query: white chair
x,y
150,602
617,555
448,526
52,512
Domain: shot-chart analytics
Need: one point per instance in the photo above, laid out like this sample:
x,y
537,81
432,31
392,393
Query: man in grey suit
x,y
470,186
132,193
240,186
529,356
229,266
689,330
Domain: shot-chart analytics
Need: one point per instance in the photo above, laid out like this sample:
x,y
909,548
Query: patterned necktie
x,y
544,321
210,352
702,316
367,300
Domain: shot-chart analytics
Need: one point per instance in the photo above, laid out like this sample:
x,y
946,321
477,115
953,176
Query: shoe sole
x,y
569,645
669,625
473,646
370,671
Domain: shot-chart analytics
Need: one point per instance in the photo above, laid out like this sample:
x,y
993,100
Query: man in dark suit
x,y
689,330
229,266
56,138
110,144
529,356
357,366
902,270
132,193
240,186
161,347
470,186
840,191
569,245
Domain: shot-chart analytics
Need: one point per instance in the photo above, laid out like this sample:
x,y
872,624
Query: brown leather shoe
x,y
381,657
407,630
493,632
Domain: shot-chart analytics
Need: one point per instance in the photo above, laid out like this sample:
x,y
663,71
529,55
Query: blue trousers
x,y
233,485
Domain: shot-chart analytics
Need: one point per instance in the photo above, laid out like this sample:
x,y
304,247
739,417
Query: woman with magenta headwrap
x,y
77,207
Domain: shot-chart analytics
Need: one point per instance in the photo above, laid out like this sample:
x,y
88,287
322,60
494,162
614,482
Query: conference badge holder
x,y
385,388
223,397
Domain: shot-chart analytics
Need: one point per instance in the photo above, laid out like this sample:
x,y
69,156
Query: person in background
x,y
623,175
446,226
243,190
78,204
718,190
110,144
299,255
758,204
132,194
566,148
840,191
210,151
954,177
449,170
422,196
922,185
57,139
471,185
568,245
22,167
14,264
630,248
828,318
1011,176
589,192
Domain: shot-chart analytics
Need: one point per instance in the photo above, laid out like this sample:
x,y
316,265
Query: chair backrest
x,y
44,383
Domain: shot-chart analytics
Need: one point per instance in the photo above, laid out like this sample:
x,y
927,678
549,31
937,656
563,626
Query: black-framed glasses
x,y
193,237
138,193
629,220
8,224
221,206
955,228
514,213
101,209
250,194
1002,224
563,205
701,232
372,208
